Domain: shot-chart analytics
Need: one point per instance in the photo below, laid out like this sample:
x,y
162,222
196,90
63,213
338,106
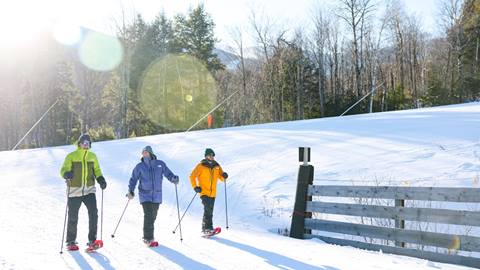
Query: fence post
x,y
399,223
305,178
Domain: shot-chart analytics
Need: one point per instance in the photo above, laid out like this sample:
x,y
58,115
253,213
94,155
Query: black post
x,y
305,178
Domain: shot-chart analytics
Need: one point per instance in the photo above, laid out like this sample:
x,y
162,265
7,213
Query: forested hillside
x,y
164,75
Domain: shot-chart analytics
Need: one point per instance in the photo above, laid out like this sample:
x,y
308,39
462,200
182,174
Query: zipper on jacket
x,y
211,181
153,178
84,176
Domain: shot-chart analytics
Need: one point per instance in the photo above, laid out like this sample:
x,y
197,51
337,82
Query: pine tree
x,y
195,36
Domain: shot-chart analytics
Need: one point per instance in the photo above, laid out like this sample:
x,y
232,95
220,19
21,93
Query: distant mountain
x,y
229,59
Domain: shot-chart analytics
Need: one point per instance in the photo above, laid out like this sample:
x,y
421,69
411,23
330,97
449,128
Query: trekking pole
x,y
101,221
184,213
226,206
65,220
178,213
113,234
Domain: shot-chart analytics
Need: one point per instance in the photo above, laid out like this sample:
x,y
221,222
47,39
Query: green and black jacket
x,y
85,168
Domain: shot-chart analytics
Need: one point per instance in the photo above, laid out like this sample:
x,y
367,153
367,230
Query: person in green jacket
x,y
80,170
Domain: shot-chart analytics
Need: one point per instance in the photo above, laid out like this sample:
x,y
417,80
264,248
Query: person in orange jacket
x,y
204,181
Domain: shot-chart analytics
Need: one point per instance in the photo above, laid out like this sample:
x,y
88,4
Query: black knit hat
x,y
84,137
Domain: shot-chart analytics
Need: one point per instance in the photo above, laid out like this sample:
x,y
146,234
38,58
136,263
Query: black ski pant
x,y
208,203
150,211
74,204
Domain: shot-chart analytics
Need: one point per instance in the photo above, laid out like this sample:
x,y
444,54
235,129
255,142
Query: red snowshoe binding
x,y
72,246
92,246
210,233
150,243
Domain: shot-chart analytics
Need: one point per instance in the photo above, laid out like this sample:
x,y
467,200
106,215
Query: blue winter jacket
x,y
150,172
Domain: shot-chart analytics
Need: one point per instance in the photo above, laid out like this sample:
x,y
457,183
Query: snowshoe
x,y
72,246
210,233
150,243
94,245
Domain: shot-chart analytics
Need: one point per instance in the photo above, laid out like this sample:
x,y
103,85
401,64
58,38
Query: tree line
x,y
171,73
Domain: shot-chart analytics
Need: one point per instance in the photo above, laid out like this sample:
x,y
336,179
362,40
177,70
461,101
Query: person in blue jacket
x,y
150,172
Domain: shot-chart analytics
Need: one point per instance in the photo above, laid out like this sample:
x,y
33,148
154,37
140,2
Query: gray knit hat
x,y
149,149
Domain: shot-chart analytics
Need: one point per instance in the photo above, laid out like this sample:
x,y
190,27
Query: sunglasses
x,y
85,143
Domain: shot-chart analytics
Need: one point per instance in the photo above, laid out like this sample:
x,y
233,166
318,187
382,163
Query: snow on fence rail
x,y
303,223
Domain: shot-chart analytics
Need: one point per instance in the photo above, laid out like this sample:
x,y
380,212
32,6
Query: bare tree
x,y
120,26
450,20
237,36
320,36
354,13
262,30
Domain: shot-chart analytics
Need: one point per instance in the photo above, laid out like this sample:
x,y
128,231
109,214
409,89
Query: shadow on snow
x,y
275,259
179,259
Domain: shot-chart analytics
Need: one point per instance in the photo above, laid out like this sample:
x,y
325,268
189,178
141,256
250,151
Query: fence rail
x,y
446,216
448,241
469,195
427,255
398,235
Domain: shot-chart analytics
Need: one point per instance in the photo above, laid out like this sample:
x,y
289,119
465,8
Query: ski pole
x,y
184,213
178,213
226,206
101,220
113,234
65,219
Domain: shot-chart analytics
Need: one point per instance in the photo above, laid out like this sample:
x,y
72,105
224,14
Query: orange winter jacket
x,y
206,175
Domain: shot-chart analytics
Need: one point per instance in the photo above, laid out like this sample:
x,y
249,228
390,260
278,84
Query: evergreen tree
x,y
195,35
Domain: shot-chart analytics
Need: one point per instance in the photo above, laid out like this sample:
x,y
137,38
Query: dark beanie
x,y
209,151
84,137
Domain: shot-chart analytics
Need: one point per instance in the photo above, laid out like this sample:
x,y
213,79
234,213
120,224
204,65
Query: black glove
x,y
198,189
175,179
130,195
101,182
68,175
225,175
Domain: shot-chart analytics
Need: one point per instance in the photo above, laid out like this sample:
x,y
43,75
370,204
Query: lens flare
x,y
100,52
67,33
475,180
455,244
176,91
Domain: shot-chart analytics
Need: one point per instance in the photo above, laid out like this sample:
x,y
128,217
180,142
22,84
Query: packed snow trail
x,y
429,147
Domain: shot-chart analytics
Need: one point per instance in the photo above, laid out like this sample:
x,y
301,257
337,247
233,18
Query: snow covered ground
x,y
437,146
